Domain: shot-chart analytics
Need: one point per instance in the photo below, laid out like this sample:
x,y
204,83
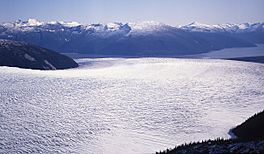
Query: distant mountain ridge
x,y
231,28
34,24
142,38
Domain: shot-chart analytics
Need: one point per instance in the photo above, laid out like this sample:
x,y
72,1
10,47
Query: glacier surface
x,y
125,105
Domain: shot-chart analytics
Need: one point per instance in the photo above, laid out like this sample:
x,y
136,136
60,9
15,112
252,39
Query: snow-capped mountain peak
x,y
200,27
34,22
198,24
70,24
146,25
234,28
66,24
29,22
113,26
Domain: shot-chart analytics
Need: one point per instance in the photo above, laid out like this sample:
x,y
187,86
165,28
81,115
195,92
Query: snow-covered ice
x,y
119,105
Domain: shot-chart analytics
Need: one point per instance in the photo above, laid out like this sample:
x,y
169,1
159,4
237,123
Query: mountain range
x,y
133,39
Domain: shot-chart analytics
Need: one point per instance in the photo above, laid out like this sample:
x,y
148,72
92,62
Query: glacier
x,y
125,105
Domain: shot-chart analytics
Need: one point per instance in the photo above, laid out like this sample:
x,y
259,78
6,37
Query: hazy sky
x,y
172,12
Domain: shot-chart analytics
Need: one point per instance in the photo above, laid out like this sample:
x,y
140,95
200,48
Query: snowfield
x,y
125,105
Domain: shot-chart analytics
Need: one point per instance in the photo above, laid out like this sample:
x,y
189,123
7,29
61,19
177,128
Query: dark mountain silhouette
x,y
251,129
23,55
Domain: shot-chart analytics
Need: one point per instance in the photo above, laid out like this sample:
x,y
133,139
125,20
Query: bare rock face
x,y
23,55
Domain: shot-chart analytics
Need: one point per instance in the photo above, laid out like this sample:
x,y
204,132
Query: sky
x,y
173,12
